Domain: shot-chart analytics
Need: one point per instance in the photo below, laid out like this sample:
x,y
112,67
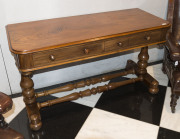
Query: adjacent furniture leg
x,y
163,67
5,131
173,73
173,102
175,87
30,100
3,124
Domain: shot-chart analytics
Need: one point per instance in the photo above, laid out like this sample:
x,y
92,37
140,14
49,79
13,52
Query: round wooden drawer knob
x,y
120,44
148,38
86,51
52,57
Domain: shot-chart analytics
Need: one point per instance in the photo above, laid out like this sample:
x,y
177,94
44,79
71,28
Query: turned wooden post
x,y
142,63
87,92
84,83
30,100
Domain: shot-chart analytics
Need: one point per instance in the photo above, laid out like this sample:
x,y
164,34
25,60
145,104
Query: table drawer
x,y
68,53
143,38
116,43
137,39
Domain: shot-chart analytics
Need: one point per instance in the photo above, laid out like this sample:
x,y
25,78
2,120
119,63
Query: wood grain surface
x,y
53,33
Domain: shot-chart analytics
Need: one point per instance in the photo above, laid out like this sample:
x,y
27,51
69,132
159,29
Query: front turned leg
x,y
142,71
30,101
173,102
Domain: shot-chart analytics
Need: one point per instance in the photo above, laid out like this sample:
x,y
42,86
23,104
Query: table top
x,y
59,32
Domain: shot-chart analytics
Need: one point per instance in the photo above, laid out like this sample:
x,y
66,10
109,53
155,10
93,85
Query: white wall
x,y
14,11
4,83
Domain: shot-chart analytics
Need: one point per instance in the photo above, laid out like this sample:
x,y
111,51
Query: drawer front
x,y
116,43
133,40
143,38
65,54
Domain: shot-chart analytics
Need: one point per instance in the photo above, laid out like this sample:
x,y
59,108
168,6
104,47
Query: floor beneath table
x,y
124,113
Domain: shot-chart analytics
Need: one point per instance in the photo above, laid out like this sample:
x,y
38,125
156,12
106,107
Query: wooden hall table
x,y
48,43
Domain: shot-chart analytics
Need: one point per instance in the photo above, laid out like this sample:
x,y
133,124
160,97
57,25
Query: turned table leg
x,y
30,100
142,72
143,61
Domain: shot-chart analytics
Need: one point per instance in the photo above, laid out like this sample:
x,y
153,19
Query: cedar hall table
x,y
48,43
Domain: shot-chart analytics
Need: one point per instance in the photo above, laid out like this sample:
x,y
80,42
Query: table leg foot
x,y
36,123
146,78
151,83
30,101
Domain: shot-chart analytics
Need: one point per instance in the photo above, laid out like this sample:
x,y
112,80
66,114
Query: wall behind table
x,y
29,10
4,84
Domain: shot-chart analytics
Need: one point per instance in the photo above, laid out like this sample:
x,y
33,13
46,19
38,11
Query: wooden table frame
x,y
37,45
